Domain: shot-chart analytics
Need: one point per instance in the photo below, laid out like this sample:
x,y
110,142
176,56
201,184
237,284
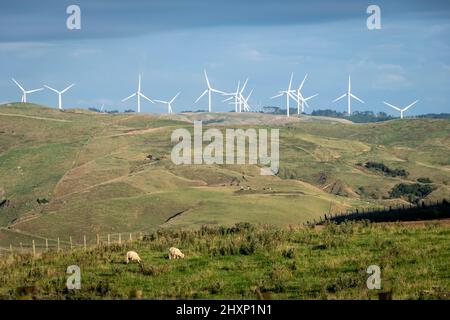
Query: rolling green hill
x,y
79,172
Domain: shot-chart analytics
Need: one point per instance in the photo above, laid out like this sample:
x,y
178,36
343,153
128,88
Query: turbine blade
x,y
278,95
306,99
410,105
301,85
129,97
34,90
161,101
201,96
217,91
290,82
343,96
228,99
353,96
392,106
173,99
51,89
207,80
21,88
68,88
349,84
143,96
244,85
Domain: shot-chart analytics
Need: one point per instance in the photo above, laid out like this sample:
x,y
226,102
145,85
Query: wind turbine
x,y
60,94
288,94
209,91
349,95
24,92
103,106
169,103
138,94
301,101
239,99
401,110
234,95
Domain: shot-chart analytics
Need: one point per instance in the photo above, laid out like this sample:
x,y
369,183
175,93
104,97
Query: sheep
x,y
133,256
175,253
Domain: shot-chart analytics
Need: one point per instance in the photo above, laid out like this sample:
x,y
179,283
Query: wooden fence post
x,y
71,245
58,244
84,240
34,249
109,239
98,239
120,238
131,239
46,244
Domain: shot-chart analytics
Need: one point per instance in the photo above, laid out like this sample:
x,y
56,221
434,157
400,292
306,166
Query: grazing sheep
x,y
133,256
175,253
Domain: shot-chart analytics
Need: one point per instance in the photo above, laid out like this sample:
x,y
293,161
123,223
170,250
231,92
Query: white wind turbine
x,y
234,95
401,110
169,103
301,101
239,99
349,95
138,94
209,91
60,94
288,94
24,92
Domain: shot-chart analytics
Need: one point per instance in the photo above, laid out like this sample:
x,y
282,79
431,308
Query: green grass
x,y
248,262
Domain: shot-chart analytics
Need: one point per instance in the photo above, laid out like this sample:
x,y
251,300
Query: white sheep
x,y
133,256
175,253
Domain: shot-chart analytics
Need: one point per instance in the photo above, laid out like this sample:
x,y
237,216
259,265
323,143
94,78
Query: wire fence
x,y
38,244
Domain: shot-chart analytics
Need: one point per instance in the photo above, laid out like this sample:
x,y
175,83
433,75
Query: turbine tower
x,y
209,91
301,101
288,93
60,94
349,95
401,110
169,103
138,94
24,92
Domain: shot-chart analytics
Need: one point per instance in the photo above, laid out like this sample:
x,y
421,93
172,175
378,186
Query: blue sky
x,y
170,42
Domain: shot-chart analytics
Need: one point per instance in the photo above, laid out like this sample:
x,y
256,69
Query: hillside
x,y
79,172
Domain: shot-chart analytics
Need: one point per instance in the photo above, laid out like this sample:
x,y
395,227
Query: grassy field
x,y
91,174
248,261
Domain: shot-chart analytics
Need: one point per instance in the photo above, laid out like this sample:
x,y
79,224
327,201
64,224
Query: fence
x,y
429,210
39,244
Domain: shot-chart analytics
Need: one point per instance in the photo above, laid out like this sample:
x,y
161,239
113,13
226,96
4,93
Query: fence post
x,y
71,246
84,240
109,239
34,249
120,238
58,244
131,239
46,244
98,239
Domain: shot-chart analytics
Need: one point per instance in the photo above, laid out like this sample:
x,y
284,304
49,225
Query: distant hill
x,y
82,172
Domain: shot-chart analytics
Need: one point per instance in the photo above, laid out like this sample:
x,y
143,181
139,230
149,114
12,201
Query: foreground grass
x,y
248,262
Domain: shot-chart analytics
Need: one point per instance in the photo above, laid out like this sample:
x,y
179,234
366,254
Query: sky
x,y
170,42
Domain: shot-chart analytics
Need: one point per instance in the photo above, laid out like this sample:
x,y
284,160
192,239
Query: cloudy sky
x,y
170,42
